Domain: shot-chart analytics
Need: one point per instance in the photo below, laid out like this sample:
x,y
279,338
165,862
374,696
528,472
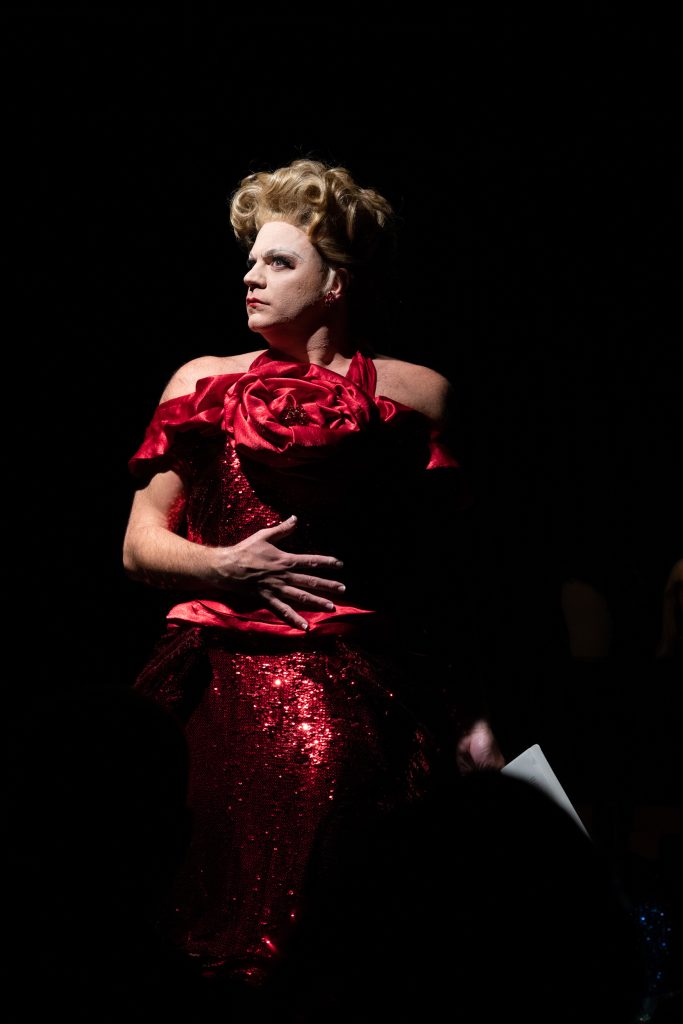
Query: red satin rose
x,y
297,412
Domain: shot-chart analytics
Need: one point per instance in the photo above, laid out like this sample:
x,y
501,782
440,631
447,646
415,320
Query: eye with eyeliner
x,y
278,260
273,259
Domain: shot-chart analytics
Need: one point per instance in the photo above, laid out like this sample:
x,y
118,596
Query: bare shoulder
x,y
184,380
416,386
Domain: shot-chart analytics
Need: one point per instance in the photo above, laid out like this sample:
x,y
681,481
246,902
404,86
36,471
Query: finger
x,y
314,561
282,529
288,614
306,599
315,583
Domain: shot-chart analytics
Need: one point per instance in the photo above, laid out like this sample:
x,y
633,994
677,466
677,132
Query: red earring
x,y
330,298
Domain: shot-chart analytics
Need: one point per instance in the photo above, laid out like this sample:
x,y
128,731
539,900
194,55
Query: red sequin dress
x,y
290,732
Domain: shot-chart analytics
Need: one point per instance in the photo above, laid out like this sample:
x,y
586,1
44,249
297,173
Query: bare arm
x,y
256,567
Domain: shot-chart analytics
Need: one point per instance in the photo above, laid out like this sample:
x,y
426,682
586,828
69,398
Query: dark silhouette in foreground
x,y
483,902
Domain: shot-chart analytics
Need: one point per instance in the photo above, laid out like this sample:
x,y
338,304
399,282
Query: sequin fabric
x,y
285,744
291,734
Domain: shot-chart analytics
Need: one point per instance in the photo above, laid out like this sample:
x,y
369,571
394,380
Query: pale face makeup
x,y
285,281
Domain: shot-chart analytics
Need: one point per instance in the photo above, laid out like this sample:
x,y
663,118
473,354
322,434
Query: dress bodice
x,y
289,438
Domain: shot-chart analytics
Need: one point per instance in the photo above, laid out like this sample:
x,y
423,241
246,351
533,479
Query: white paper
x,y
532,766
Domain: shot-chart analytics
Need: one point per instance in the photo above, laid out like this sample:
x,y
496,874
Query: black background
x,y
534,160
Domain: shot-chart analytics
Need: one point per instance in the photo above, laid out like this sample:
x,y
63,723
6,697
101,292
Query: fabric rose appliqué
x,y
296,412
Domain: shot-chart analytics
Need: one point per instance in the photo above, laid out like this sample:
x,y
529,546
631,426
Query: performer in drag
x,y
301,501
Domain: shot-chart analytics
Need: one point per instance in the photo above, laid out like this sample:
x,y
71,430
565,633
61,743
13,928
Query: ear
x,y
339,282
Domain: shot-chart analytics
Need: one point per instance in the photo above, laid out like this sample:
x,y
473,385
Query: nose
x,y
253,277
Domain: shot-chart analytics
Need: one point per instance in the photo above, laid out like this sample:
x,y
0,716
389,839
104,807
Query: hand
x,y
258,566
478,749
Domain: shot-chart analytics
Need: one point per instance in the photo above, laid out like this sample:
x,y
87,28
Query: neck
x,y
324,347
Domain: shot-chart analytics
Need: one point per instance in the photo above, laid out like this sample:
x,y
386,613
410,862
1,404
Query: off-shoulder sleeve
x,y
440,454
175,421
439,451
448,468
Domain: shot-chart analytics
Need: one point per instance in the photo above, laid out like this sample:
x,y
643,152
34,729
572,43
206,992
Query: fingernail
x,y
292,519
